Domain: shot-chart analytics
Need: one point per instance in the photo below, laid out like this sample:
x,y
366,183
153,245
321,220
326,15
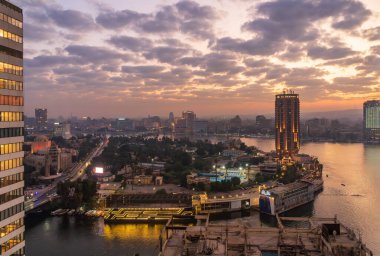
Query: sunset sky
x,y
217,57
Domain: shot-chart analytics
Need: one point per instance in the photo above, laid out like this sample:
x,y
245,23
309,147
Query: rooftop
x,y
11,6
288,187
316,237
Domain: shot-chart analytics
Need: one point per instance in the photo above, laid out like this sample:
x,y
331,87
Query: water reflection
x,y
352,191
132,232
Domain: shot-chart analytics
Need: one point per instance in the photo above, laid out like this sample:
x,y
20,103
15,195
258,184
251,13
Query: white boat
x,y
284,198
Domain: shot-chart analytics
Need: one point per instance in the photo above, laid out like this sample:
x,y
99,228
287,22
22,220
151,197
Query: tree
x,y
230,164
256,160
202,164
161,191
75,194
200,186
259,178
290,174
235,181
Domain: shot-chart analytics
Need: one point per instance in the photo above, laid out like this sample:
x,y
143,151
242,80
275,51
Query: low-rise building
x,y
40,143
105,177
268,168
62,130
233,153
193,179
142,180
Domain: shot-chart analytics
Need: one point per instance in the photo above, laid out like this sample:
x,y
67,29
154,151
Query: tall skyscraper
x,y
189,117
371,118
287,123
184,126
11,130
171,117
41,118
171,121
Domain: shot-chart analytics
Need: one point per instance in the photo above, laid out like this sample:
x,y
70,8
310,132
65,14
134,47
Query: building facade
x,y
287,124
41,118
371,117
200,126
11,130
62,130
189,117
184,126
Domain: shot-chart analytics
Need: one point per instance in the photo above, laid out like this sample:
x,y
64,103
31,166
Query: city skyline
x,y
132,59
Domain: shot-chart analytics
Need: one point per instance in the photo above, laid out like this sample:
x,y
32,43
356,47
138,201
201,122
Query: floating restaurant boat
x,y
203,204
145,215
284,198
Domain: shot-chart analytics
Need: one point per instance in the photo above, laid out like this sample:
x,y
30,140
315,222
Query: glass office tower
x,y
371,117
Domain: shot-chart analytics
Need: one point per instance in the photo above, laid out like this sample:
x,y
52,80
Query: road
x,y
76,172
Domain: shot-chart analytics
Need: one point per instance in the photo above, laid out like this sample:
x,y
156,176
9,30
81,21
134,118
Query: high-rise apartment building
x,y
371,118
184,126
189,117
287,123
41,118
11,131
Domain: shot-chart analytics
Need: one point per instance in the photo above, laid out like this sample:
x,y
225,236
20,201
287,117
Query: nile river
x,y
352,191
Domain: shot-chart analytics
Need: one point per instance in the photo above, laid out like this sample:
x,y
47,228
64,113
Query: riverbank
x,y
357,205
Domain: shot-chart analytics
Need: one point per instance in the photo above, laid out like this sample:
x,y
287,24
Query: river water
x,y
351,191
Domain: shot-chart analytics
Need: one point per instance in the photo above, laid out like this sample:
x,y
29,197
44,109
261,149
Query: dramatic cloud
x,y
131,43
372,34
186,17
72,19
93,54
166,54
130,58
37,32
319,52
119,19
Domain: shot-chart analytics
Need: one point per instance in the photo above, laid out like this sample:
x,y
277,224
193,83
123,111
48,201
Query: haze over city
x,y
134,58
189,127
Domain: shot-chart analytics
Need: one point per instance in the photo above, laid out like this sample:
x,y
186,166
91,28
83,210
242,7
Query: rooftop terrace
x,y
310,236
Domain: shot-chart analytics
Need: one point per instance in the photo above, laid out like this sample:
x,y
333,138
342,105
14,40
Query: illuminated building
x,y
41,118
371,112
40,143
287,124
171,121
171,117
11,130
